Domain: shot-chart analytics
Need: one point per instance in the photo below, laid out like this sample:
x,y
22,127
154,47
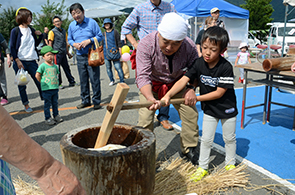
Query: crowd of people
x,y
168,65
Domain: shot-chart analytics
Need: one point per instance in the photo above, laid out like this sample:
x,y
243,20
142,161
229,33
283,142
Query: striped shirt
x,y
146,17
153,65
6,186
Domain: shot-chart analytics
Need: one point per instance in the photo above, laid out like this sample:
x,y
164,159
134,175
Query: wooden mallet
x,y
114,108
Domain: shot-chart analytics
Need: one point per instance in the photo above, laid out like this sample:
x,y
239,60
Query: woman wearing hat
x,y
23,44
112,50
242,58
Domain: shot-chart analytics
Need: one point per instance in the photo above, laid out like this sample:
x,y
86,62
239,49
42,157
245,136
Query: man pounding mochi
x,y
162,58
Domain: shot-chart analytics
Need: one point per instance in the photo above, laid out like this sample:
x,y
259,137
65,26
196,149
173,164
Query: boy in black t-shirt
x,y
215,77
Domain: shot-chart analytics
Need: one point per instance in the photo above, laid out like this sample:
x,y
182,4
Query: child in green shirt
x,y
47,75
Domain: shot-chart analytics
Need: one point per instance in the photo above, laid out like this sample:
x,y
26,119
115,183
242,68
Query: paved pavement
x,y
167,142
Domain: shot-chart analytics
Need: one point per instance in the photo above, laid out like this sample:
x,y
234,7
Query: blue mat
x,y
271,146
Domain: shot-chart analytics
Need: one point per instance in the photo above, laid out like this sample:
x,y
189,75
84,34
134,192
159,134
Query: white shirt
x,y
27,50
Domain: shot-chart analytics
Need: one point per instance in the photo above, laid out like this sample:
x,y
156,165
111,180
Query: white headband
x,y
173,27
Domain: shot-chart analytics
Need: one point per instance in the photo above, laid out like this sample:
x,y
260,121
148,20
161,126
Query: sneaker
x,y
58,119
240,80
229,167
28,110
72,84
96,106
199,174
4,101
83,105
61,87
111,83
50,121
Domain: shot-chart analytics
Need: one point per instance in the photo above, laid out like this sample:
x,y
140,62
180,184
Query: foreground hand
x,y
59,180
293,67
190,97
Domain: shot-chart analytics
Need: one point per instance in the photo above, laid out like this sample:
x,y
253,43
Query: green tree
x,y
260,12
49,10
7,21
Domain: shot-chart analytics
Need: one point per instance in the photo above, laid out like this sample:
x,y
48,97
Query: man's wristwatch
x,y
191,87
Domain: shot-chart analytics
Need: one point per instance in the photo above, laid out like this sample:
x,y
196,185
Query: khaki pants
x,y
188,114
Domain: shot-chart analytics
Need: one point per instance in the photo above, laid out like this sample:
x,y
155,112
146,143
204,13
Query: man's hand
x,y
156,105
190,97
85,43
78,46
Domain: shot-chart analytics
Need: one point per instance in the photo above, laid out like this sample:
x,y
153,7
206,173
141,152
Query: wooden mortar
x,y
124,171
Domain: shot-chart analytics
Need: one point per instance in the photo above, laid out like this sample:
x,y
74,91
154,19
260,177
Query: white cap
x,y
214,10
243,44
173,27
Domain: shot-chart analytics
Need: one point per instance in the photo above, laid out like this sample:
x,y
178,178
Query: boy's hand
x,y
190,97
166,99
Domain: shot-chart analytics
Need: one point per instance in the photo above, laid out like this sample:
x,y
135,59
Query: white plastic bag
x,y
22,77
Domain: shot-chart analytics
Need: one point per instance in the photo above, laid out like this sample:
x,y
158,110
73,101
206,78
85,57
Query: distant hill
x,y
279,9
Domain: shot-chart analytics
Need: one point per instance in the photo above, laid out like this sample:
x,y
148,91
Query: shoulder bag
x,y
113,53
95,56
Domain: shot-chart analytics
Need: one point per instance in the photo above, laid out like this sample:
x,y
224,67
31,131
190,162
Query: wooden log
x,y
284,63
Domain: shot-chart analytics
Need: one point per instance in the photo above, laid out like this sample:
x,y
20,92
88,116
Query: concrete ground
x,y
167,142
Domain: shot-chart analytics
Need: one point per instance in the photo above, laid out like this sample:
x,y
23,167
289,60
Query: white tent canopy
x,y
290,2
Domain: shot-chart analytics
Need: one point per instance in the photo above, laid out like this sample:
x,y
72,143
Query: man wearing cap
x,y
146,17
215,14
162,58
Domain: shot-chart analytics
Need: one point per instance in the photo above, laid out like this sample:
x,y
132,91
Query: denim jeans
x,y
117,65
163,114
62,61
31,67
50,99
87,73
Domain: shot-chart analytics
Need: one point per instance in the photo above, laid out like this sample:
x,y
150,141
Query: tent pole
x,y
286,15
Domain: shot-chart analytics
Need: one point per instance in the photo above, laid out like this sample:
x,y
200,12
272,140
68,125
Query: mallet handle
x,y
135,105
